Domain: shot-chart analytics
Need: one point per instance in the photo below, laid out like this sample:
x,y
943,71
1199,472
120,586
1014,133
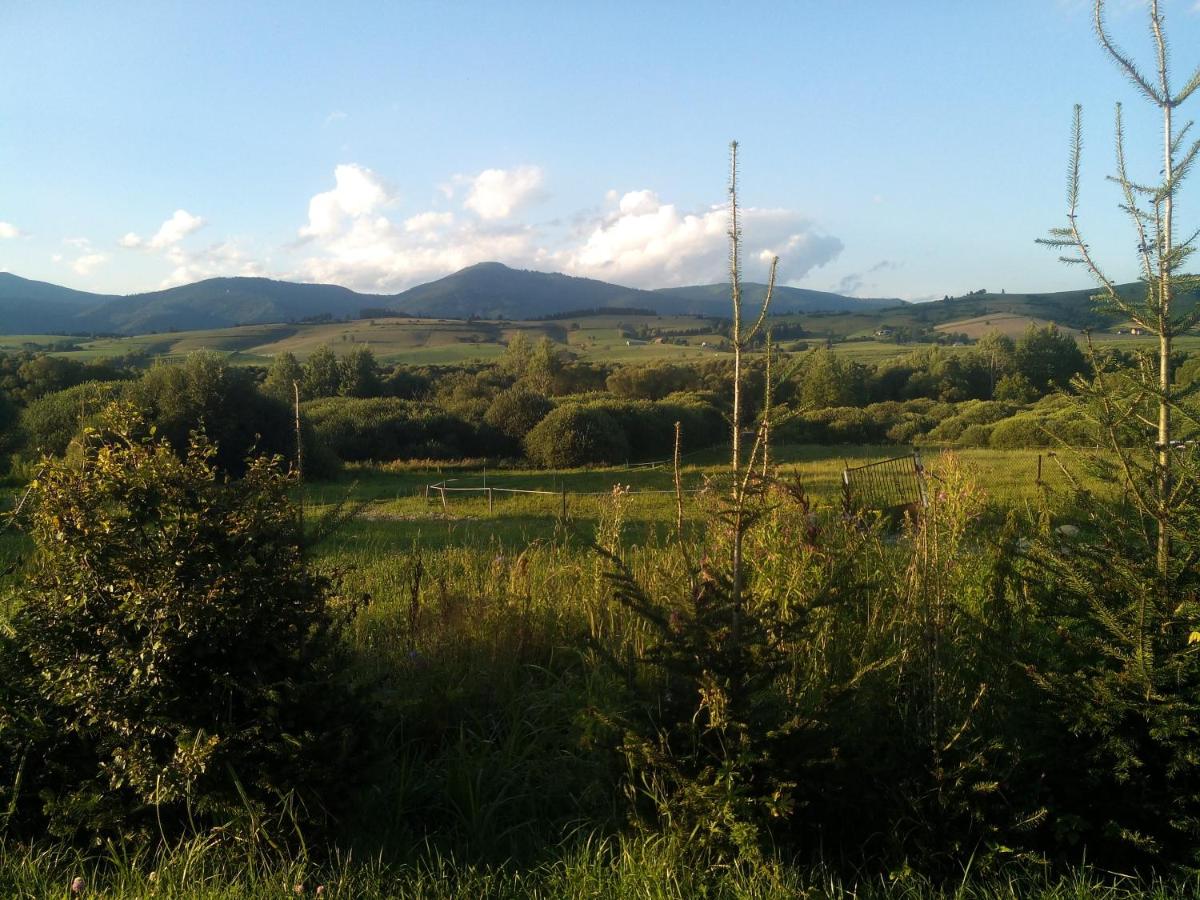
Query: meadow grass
x,y
595,868
480,639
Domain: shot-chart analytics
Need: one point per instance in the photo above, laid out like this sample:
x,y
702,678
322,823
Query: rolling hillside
x,y
713,300
486,290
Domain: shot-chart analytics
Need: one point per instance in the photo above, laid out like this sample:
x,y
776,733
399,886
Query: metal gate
x,y
889,484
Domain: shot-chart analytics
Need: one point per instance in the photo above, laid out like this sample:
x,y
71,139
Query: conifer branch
x,y
1126,64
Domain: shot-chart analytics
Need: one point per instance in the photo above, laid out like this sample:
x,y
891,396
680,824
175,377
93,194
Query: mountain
x,y
492,290
486,290
221,302
713,300
31,307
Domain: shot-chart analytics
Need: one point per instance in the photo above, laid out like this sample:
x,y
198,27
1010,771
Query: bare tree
x,y
741,338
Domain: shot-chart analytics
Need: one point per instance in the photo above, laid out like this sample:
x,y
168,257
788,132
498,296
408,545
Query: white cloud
x,y
171,232
8,231
85,264
352,238
221,259
336,116
373,254
648,243
355,243
86,261
357,192
175,229
428,222
498,193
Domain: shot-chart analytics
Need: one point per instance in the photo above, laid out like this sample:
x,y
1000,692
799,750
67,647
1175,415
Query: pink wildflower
x,y
77,885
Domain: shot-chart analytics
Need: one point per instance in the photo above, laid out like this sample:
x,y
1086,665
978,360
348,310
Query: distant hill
x,y
32,307
494,291
36,306
487,291
713,300
220,302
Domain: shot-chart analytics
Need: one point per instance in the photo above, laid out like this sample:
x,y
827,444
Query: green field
x,y
411,341
595,338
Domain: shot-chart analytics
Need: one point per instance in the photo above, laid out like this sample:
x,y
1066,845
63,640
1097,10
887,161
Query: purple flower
x,y
77,885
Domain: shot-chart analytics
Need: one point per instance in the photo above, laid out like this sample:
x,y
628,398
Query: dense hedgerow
x,y
386,428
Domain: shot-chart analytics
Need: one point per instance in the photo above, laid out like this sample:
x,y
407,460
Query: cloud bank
x,y
353,238
359,233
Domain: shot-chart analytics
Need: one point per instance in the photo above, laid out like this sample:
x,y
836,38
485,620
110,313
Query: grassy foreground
x,y
479,629
585,869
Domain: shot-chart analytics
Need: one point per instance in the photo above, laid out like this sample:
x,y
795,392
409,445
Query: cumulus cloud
x,y
220,259
357,192
352,238
353,241
498,193
647,243
85,264
428,223
372,253
84,260
171,232
8,231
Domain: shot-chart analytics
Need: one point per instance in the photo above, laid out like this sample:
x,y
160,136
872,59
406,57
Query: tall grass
x,y
585,868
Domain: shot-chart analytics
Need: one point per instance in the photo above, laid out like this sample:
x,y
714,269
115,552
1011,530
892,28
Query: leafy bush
x,y
973,412
49,424
577,436
385,429
516,411
207,393
173,662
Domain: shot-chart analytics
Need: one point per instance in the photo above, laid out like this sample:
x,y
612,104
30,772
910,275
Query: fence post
x,y
564,504
489,490
445,508
1039,475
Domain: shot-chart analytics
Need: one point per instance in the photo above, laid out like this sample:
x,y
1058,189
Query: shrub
x,y
50,423
173,662
207,393
973,412
386,429
516,411
577,436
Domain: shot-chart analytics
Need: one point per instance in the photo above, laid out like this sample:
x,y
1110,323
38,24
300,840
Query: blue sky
x,y
888,149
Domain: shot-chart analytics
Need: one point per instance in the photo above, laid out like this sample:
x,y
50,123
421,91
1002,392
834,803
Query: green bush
x,y
577,436
972,412
516,411
50,423
173,663
223,400
385,429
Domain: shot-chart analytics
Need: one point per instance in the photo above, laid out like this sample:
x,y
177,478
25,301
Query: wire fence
x,y
441,490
